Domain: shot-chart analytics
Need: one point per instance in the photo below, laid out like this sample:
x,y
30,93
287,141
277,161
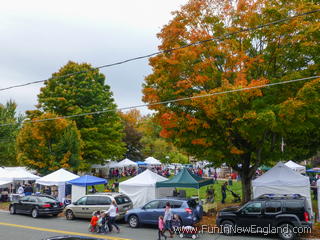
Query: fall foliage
x,y
243,129
47,146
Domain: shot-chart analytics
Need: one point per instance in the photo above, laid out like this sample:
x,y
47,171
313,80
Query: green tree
x,y
243,129
8,133
49,145
82,93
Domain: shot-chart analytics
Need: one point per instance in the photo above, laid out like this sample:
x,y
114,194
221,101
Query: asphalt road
x,y
14,227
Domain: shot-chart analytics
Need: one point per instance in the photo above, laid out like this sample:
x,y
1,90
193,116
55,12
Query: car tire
x,y
69,215
133,221
286,232
227,228
12,209
35,213
181,235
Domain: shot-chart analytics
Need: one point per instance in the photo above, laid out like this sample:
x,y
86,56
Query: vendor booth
x,y
127,163
152,161
282,180
58,178
79,185
185,179
142,188
296,167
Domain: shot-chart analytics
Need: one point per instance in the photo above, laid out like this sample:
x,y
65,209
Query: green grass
x,y
236,187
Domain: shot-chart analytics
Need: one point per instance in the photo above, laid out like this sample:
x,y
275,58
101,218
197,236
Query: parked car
x,y
188,210
86,205
278,213
36,205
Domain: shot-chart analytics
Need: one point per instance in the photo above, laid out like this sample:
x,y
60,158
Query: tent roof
x,y
87,180
15,174
294,165
281,175
152,161
146,178
58,177
185,179
127,163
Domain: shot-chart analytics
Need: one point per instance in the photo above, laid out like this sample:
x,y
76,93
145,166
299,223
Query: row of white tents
x,y
150,161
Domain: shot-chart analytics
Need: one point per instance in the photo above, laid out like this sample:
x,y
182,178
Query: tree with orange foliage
x,y
47,146
243,129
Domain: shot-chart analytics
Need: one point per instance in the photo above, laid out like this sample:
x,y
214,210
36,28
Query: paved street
x,y
24,227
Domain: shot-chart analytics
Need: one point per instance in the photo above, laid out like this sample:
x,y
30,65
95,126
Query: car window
x,y
122,200
82,201
46,199
192,203
93,200
175,204
103,200
32,199
162,204
25,199
294,206
273,207
152,205
254,207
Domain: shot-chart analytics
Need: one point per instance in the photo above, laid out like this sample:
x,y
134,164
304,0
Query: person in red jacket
x,y
94,222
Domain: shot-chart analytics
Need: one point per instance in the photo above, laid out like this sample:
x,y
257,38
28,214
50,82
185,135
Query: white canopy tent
x,y
58,178
282,180
142,188
127,163
296,167
17,174
152,161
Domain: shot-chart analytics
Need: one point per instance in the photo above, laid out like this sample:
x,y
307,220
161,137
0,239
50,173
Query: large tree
x,y
8,133
47,146
77,89
243,129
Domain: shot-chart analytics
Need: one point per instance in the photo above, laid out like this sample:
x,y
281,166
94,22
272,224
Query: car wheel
x,y
69,215
286,232
181,235
227,228
133,221
12,210
194,236
35,213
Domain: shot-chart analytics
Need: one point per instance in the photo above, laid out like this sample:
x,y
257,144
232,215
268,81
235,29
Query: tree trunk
x,y
246,180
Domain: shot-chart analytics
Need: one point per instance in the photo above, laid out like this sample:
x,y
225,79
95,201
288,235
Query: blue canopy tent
x,y
313,170
87,180
141,163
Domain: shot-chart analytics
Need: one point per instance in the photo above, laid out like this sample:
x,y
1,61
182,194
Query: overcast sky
x,y
38,37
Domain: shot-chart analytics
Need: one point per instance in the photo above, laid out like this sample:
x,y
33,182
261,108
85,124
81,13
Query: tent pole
x,y
199,194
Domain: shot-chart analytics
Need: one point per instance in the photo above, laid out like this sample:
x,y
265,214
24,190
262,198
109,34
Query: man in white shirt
x,y
112,211
21,191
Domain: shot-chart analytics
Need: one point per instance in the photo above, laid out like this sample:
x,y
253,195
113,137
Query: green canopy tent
x,y
185,179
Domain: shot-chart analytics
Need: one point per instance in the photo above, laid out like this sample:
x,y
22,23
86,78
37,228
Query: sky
x,y
39,37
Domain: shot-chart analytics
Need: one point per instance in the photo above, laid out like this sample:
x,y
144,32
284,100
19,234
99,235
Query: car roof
x,y
112,194
68,237
280,197
175,198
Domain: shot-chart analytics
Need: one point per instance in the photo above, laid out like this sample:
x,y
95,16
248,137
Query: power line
x,y
166,102
169,50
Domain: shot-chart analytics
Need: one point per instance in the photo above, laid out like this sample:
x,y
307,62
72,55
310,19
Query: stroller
x,y
236,197
189,232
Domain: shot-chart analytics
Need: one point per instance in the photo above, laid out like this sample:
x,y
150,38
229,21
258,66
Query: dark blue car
x,y
188,210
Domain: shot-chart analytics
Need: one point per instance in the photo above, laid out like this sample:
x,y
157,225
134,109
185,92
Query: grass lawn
x,y
236,187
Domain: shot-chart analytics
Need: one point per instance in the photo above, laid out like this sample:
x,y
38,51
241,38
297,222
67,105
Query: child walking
x,y
94,222
161,228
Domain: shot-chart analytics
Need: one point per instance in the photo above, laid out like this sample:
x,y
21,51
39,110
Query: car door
x,y
272,208
251,215
79,207
32,203
97,203
21,205
149,212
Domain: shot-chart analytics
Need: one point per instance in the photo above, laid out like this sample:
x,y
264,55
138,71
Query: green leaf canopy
x,y
185,179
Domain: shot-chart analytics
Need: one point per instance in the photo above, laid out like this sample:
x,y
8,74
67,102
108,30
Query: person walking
x,y
113,211
223,191
161,228
168,215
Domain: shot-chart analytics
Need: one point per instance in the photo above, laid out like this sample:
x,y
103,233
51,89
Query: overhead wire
x,y
168,50
165,102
